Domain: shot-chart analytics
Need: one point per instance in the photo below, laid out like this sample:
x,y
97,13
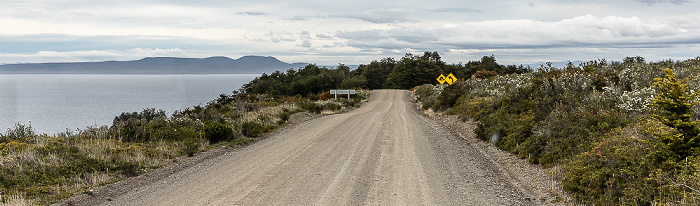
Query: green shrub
x,y
331,106
129,169
18,132
310,106
216,132
475,108
252,129
191,146
622,169
285,115
449,96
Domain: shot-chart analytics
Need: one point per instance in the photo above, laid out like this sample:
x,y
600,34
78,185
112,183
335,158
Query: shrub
x,y
252,129
620,169
128,168
475,108
216,132
191,146
483,74
284,116
331,106
448,97
18,132
427,94
145,115
325,95
310,106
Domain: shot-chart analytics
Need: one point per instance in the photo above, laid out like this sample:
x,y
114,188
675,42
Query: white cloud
x,y
582,31
318,31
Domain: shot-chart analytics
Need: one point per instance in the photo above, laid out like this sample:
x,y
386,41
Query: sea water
x,y
56,103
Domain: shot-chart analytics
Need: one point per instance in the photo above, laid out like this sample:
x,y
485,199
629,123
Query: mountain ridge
x,y
158,65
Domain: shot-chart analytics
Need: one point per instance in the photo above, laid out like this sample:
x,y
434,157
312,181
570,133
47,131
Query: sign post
x,y
342,91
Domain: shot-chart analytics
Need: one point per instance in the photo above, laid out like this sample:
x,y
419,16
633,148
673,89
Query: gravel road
x,y
384,153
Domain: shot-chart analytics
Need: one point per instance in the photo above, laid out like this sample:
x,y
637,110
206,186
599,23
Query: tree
x,y
413,70
358,81
675,103
376,72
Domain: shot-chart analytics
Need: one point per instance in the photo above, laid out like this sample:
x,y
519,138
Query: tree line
x,y
387,73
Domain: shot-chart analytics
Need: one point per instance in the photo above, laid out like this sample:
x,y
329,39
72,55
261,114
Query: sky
x,y
349,32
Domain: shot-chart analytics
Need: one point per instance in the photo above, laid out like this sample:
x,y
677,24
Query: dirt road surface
x,y
384,153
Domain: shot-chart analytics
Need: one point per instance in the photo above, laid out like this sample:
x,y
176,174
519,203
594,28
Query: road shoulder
x,y
533,180
108,192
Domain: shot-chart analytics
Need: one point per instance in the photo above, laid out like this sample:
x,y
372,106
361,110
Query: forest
x,y
388,73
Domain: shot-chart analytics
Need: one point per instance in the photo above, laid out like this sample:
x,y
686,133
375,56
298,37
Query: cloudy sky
x,y
350,32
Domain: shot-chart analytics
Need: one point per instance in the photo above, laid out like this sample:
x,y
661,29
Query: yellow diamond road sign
x,y
441,79
451,79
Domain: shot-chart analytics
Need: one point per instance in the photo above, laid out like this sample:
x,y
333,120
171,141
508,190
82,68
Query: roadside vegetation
x,y
38,169
614,133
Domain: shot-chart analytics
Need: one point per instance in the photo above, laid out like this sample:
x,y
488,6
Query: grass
x,y
42,169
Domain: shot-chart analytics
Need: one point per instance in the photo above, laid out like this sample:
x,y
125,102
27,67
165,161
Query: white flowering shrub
x,y
575,82
500,85
638,76
637,100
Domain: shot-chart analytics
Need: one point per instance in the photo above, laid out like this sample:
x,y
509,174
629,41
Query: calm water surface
x,y
56,102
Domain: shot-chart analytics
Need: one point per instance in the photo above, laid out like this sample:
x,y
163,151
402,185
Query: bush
x,y
325,95
483,74
19,132
620,169
448,97
191,146
331,106
285,115
427,94
310,106
216,132
475,108
252,129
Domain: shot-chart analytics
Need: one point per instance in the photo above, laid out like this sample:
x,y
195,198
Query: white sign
x,y
342,91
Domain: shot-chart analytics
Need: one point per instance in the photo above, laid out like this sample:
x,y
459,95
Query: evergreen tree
x,y
675,103
413,70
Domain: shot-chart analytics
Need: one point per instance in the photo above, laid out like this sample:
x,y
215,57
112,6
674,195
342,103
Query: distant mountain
x,y
158,65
